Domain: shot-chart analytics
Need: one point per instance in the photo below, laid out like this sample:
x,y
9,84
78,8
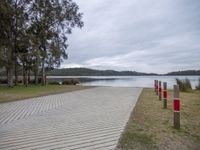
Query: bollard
x,y
165,95
156,87
176,105
160,90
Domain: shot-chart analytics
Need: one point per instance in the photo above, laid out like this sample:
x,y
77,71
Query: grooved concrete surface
x,y
87,119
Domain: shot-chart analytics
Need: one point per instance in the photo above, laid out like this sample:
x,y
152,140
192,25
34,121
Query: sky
x,y
157,36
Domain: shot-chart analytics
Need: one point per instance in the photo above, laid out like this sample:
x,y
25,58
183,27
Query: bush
x,y
184,85
198,85
3,81
54,83
19,81
70,82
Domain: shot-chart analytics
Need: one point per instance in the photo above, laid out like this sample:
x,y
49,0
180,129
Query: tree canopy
x,y
33,36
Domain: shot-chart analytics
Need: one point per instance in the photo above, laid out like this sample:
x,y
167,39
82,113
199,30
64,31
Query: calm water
x,y
126,81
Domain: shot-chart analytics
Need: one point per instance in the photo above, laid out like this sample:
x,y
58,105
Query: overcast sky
x,y
141,35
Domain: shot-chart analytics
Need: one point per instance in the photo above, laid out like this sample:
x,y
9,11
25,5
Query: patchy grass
x,y
22,92
151,127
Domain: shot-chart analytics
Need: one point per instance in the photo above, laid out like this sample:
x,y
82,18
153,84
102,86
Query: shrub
x,y
71,82
3,81
32,81
198,85
54,83
20,81
184,85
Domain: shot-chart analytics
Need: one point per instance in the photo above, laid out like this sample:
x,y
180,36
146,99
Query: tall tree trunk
x,y
23,73
15,44
45,77
37,69
35,78
36,74
10,76
29,76
43,73
16,71
10,68
7,74
26,77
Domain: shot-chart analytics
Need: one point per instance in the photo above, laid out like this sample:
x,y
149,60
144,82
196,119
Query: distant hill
x,y
186,72
92,72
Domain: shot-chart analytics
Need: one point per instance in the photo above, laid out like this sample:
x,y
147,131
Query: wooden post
x,y
160,90
176,105
165,95
156,87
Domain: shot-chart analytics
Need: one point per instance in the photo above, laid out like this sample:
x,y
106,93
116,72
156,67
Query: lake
x,y
125,81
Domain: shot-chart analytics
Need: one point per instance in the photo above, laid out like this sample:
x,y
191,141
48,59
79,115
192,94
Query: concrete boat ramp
x,y
91,119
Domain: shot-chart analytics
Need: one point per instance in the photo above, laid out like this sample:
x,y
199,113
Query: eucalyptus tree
x,y
6,51
20,20
12,27
33,34
52,21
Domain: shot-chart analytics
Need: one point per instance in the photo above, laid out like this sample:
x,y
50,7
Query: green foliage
x,y
70,82
54,83
185,73
3,81
198,85
33,35
184,85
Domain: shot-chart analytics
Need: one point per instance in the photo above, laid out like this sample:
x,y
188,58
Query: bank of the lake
x,y
21,92
151,127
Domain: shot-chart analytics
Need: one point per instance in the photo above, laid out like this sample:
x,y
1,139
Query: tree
x,y
6,13
52,21
33,35
20,17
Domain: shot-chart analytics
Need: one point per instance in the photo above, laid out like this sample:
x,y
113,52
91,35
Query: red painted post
x,y
165,95
156,87
160,90
176,105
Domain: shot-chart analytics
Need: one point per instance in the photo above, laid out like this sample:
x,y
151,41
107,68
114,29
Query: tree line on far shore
x,y
94,72
33,36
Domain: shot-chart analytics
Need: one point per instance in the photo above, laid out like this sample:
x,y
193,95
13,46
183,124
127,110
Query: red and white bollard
x,y
176,105
165,95
160,90
156,87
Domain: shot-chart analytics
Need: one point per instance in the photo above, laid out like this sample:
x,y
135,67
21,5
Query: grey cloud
x,y
141,35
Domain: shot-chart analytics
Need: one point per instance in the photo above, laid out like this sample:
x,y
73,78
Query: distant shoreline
x,y
93,72
112,75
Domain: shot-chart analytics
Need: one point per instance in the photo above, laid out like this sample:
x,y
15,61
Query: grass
x,y
150,127
22,92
